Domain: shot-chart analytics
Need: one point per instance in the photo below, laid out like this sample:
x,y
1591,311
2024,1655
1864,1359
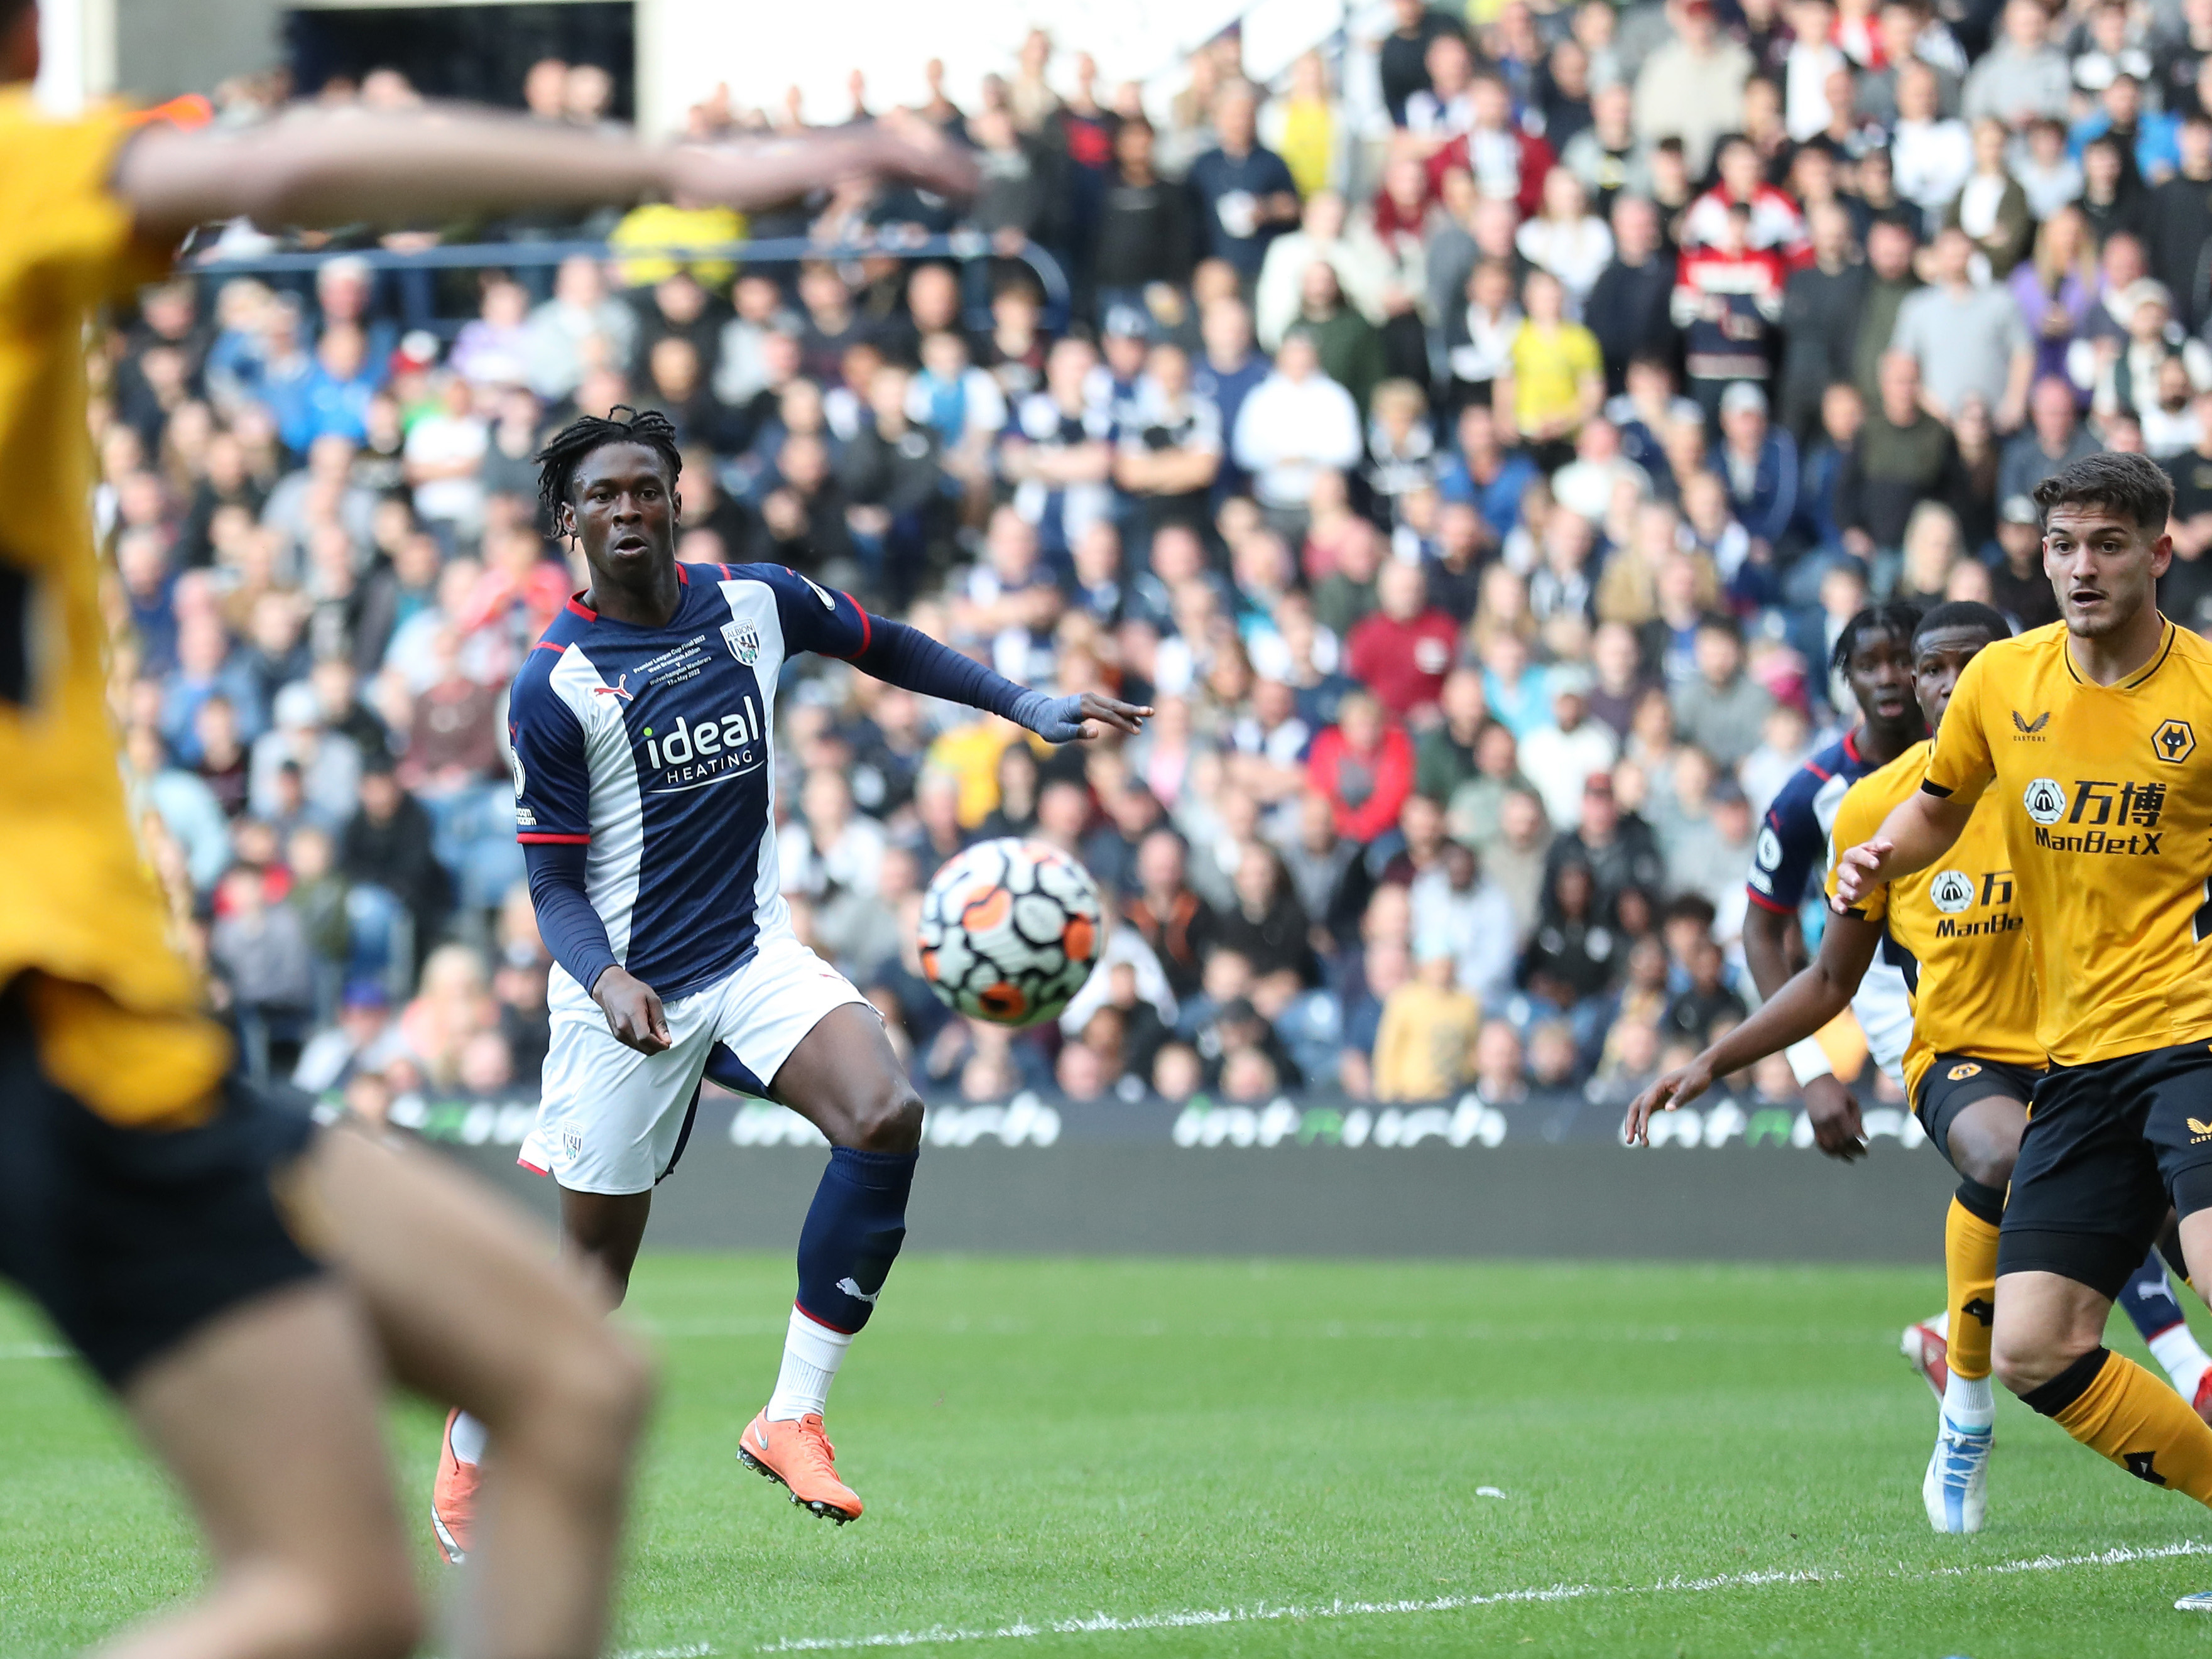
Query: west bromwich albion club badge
x,y
744,640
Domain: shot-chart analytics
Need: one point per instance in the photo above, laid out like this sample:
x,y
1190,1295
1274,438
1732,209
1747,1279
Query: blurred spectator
x,y
1616,848
1705,1001
1445,755
2054,440
1728,298
1903,454
360,1039
1163,912
2024,76
1555,378
1473,917
1968,341
1560,757
1364,764
1244,193
1626,308
1266,923
1691,87
260,949
187,807
1723,708
1293,424
387,844
1424,1045
1402,652
329,764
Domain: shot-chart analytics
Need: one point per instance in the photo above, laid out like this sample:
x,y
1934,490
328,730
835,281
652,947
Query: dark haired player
x,y
1973,1057
2089,736
1874,655
645,800
243,1284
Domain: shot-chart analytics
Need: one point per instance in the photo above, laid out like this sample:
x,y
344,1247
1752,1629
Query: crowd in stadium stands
x,y
1473,446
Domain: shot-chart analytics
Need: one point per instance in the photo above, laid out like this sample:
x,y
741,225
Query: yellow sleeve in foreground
x,y
67,241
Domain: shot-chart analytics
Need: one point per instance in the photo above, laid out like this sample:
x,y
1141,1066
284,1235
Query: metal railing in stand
x,y
962,246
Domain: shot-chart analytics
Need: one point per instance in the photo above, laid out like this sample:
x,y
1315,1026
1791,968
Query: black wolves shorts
x,y
2109,1145
1953,1082
131,1239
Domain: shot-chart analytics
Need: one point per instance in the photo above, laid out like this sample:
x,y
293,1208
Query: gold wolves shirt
x,y
653,749
2106,796
1955,929
77,901
1788,864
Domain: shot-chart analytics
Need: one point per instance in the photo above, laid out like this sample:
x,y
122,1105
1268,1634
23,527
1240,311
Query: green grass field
x,y
1215,1458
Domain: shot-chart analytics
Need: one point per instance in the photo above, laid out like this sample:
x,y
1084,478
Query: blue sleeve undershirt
x,y
907,657
572,930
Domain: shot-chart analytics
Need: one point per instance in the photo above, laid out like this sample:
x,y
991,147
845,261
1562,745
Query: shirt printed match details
x,y
650,746
2106,796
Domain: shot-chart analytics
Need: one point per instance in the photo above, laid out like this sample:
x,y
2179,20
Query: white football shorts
x,y
611,1120
1884,1008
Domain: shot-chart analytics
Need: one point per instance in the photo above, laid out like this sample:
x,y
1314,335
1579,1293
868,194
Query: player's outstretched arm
x,y
1918,830
318,167
1805,1004
909,658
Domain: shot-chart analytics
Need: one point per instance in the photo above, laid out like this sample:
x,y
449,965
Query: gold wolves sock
x,y
2114,1406
1970,1276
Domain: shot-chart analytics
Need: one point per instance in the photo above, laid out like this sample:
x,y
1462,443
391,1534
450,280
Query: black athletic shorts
x,y
130,1239
2109,1145
1953,1082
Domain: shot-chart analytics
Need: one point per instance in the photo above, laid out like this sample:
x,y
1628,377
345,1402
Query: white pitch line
x,y
1417,1331
1188,1618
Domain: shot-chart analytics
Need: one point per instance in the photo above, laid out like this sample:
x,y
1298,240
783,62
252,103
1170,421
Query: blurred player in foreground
x,y
2086,736
242,1282
645,801
1974,1059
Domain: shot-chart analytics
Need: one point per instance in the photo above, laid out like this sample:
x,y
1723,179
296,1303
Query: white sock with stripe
x,y
2184,1357
811,1354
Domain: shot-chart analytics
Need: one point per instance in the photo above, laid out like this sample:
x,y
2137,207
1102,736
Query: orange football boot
x,y
453,1499
2203,1401
799,1456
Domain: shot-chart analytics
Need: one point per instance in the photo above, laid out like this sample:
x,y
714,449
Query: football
x,y
1010,929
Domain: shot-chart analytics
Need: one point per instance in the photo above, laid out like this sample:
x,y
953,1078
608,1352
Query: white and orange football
x,y
1010,929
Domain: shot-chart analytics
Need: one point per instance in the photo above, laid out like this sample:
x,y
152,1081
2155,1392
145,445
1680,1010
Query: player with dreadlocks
x,y
643,728
1873,657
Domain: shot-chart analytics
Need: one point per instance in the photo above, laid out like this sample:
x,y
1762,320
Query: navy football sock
x,y
852,1234
2149,1300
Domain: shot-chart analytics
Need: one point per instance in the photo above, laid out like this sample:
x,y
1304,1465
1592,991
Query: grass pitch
x,y
1213,1458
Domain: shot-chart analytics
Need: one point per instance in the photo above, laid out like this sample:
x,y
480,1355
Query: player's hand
x,y
1080,718
633,1010
1858,874
1113,715
1834,1111
1678,1088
